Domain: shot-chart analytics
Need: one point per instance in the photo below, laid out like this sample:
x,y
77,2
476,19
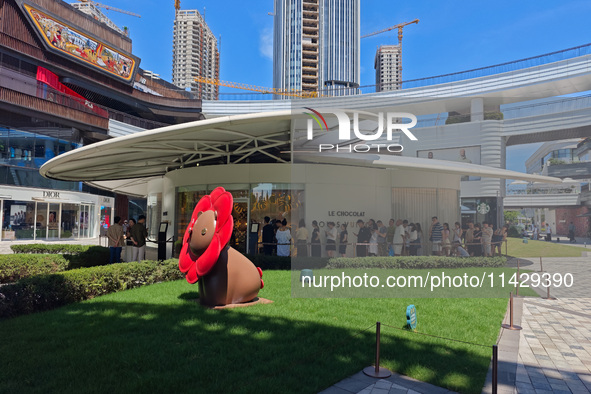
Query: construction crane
x,y
177,5
400,26
243,86
108,7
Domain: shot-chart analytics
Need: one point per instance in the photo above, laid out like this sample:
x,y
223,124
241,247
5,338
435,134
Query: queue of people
x,y
374,238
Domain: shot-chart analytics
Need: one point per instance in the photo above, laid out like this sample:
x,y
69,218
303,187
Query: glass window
x,y
69,222
53,220
19,219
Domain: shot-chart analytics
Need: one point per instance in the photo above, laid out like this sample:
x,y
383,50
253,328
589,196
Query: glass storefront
x,y
42,220
252,202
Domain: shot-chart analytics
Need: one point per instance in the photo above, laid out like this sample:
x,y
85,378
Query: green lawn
x,y
158,339
517,248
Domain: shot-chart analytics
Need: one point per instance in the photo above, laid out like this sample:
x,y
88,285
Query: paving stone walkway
x,y
555,347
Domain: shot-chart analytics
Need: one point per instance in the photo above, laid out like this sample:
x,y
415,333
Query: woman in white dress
x,y
283,239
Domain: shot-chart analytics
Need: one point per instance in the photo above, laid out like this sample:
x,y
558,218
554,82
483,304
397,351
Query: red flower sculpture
x,y
195,266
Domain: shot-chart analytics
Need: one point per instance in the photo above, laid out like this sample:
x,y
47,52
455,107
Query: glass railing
x,y
515,65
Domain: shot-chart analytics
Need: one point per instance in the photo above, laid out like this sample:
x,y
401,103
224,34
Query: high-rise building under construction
x,y
316,46
195,53
387,65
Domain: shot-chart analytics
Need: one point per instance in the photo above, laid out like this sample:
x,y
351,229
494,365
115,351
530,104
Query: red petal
x,y
192,276
216,193
260,272
262,284
225,233
223,205
207,260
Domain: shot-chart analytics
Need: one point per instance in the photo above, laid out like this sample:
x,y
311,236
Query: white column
x,y
476,109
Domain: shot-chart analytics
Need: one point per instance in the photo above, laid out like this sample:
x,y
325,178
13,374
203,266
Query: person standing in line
x,y
487,233
436,235
501,237
477,240
398,238
363,238
469,238
373,240
343,240
382,234
139,233
268,236
390,237
302,239
419,241
316,248
115,235
412,239
283,236
457,236
331,239
445,244
406,249
549,233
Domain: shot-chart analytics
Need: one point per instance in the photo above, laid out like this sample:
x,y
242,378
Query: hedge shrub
x,y
91,257
45,292
415,262
17,266
50,248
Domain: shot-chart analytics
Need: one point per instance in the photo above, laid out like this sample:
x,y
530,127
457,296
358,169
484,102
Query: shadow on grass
x,y
139,347
190,296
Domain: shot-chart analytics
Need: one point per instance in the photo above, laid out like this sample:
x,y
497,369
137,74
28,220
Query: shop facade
x,y
321,192
45,214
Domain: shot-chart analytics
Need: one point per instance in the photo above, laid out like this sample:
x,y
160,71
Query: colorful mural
x,y
63,38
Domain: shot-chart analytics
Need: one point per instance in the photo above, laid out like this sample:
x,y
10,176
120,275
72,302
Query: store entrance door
x,y
240,213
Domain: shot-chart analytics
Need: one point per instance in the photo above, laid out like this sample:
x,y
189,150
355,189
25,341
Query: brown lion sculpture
x,y
225,276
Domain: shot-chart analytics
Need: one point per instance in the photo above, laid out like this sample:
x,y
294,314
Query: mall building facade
x,y
67,81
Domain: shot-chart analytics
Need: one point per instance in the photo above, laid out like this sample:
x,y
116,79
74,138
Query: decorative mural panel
x,y
72,43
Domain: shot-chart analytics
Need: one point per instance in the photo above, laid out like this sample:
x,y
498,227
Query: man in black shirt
x,y
363,237
268,237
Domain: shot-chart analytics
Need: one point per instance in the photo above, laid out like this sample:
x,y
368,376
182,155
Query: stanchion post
x,y
517,284
378,334
377,372
510,326
506,252
495,368
548,297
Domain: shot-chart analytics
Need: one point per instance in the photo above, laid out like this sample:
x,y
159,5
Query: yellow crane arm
x,y
243,86
399,27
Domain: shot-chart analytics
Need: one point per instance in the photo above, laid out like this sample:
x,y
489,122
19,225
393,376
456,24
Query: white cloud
x,y
266,43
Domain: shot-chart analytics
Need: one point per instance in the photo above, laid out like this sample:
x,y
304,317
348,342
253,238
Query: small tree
x,y
511,216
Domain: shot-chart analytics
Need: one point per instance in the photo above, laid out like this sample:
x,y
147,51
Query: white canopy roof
x,y
112,164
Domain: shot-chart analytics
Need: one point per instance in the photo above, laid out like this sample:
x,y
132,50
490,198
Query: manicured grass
x,y
517,248
158,339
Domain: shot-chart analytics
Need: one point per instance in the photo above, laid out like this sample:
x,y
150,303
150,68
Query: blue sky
x,y
452,35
